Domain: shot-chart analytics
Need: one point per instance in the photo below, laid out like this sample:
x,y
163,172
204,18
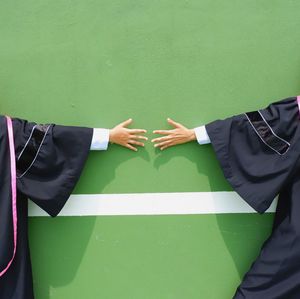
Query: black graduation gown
x,y
50,159
259,155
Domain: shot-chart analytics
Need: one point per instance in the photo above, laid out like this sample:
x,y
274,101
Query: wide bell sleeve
x,y
50,159
258,150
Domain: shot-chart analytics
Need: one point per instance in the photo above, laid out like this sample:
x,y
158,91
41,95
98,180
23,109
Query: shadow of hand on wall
x,y
69,246
243,235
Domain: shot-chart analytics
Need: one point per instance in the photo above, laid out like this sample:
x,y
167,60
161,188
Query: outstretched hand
x,y
127,137
179,135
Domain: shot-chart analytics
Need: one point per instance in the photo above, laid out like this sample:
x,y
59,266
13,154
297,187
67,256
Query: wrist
x,y
111,136
192,135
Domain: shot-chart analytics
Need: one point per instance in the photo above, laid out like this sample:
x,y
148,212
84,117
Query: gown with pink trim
x,y
49,161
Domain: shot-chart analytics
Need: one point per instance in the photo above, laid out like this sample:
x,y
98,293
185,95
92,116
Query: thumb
x,y
174,124
126,123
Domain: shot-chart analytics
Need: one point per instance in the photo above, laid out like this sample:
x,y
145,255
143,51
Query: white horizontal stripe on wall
x,y
181,203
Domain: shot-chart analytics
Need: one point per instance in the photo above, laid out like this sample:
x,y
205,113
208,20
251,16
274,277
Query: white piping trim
x,y
182,203
27,142
38,151
262,138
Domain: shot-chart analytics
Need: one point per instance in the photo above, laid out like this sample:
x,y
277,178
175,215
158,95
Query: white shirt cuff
x,y
201,135
100,139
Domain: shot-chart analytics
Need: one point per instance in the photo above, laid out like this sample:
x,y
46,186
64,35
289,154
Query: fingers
x,y
137,131
162,132
138,137
163,144
160,139
136,142
131,142
166,146
131,147
133,137
174,124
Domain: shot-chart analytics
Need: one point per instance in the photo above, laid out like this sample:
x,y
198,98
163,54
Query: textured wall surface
x,y
96,63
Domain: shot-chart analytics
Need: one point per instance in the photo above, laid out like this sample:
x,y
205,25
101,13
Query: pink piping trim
x,y
13,187
298,101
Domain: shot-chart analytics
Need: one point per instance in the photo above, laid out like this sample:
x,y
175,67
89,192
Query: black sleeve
x,y
50,159
258,150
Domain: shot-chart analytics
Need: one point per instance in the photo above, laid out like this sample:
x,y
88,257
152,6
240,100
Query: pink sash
x,y
13,187
298,101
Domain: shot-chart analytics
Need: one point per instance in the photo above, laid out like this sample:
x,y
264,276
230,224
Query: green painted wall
x,y
96,63
157,257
